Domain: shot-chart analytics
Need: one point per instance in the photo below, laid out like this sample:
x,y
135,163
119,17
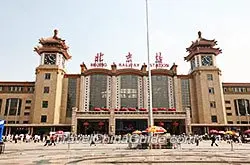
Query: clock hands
x,y
50,59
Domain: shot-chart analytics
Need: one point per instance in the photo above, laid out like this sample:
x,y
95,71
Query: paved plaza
x,y
36,153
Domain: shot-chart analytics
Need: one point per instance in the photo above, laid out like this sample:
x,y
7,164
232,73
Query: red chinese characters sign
x,y
129,62
159,61
99,61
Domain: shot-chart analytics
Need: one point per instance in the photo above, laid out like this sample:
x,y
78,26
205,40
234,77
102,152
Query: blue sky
x,y
116,27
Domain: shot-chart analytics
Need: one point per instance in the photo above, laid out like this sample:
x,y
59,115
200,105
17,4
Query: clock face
x,y
206,60
50,59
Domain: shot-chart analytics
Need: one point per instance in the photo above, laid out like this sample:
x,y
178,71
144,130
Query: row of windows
x,y
16,89
17,122
236,89
13,106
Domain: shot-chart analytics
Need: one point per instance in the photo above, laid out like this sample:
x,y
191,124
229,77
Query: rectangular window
x,y
27,107
47,76
45,104
1,88
28,101
13,107
212,104
71,96
229,114
11,122
214,119
185,92
230,122
46,90
20,89
26,114
25,122
211,90
228,102
43,119
209,77
228,108
31,89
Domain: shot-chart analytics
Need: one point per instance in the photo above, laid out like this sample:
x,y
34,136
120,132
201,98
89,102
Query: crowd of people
x,y
52,139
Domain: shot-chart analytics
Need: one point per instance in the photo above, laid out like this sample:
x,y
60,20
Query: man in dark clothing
x,y
213,141
47,140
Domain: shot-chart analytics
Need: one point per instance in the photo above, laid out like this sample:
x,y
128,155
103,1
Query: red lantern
x,y
101,124
161,124
86,123
175,124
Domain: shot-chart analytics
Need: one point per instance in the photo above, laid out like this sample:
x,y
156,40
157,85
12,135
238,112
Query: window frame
x,y
214,119
47,76
43,117
210,77
44,102
46,89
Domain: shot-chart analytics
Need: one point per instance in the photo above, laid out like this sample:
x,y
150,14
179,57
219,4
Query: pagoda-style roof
x,y
202,46
53,44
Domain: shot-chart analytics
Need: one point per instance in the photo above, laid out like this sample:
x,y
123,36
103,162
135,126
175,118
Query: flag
x,y
1,130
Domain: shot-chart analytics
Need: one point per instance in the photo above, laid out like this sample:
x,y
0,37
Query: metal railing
x,y
131,112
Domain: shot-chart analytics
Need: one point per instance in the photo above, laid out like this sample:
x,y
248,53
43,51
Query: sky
x,y
116,27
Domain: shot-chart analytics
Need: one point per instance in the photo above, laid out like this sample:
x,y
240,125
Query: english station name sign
x,y
99,62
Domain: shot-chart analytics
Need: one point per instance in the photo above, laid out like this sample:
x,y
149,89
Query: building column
x,y
112,123
6,131
31,130
81,95
74,121
188,121
145,92
176,88
9,130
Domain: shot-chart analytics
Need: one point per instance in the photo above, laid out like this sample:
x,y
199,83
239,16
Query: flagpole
x,y
150,111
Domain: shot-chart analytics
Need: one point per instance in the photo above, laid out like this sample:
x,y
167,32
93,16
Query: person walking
x,y
92,142
197,140
52,139
47,140
213,139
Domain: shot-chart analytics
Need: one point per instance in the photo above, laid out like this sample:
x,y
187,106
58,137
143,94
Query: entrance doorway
x,y
92,126
124,126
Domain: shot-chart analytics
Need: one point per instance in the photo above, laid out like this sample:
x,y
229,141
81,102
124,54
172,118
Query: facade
x,y
116,100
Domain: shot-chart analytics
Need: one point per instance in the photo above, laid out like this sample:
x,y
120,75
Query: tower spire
x,y
199,34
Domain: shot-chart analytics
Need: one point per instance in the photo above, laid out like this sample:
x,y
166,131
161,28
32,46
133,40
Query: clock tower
x,y
49,79
205,85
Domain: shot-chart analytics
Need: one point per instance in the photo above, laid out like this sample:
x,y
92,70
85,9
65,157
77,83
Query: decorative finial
x,y
199,34
55,34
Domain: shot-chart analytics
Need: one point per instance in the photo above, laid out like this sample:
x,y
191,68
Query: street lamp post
x,y
150,111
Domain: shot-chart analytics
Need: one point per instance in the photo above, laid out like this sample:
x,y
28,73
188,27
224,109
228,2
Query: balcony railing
x,y
131,112
93,112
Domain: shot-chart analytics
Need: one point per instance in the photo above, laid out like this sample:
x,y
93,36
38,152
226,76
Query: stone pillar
x,y
74,121
188,121
9,130
31,130
81,95
6,131
112,122
206,130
